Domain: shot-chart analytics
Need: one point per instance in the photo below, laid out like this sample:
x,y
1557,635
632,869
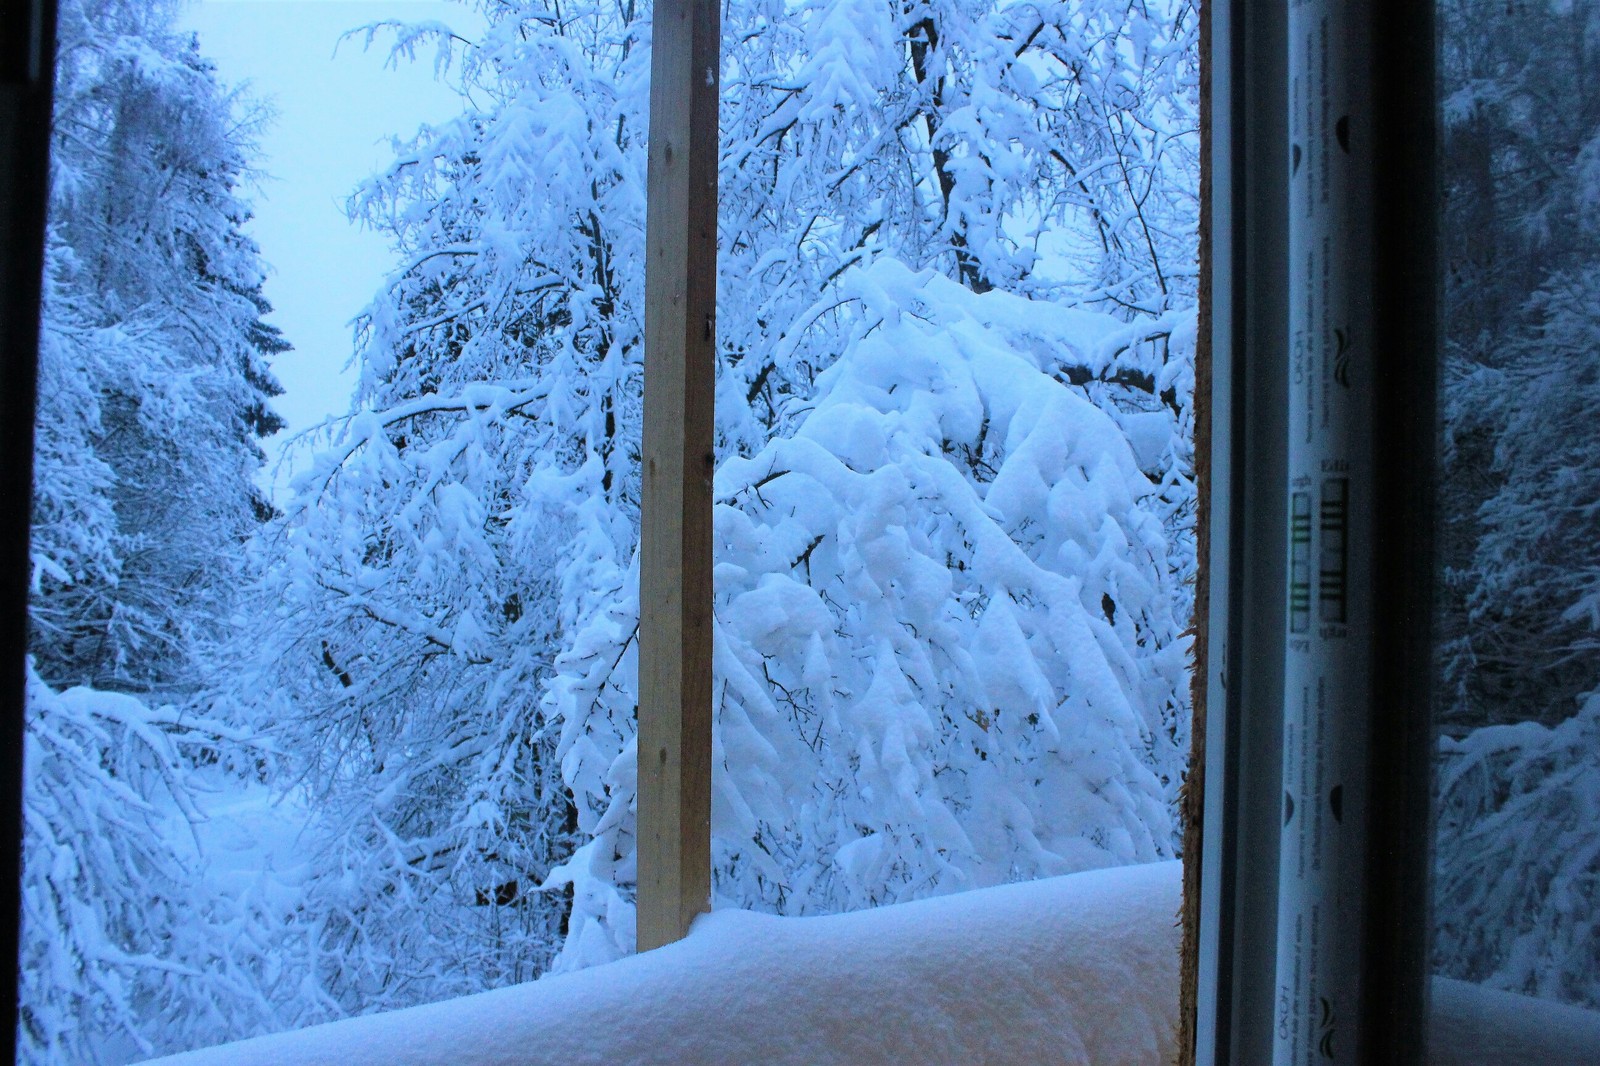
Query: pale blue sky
x,y
337,106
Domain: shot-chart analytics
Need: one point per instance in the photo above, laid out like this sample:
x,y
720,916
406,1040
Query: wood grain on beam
x,y
1191,796
674,814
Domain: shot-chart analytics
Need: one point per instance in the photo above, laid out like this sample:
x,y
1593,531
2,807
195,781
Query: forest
x,y
1518,678
371,744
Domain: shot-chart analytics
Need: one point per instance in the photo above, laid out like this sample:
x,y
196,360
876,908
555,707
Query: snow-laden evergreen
x,y
954,339
153,388
152,376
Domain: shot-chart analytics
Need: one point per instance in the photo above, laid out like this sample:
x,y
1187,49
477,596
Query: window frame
x,y
27,75
1252,70
1242,684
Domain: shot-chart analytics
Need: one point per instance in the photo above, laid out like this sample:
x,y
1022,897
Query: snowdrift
x,y
1074,969
1080,969
1476,1026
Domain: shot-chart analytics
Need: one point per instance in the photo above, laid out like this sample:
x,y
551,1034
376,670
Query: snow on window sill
x,y
1075,969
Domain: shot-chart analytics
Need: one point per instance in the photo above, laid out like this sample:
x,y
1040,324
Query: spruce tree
x,y
154,377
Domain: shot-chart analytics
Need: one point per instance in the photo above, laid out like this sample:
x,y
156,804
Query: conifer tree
x,y
153,391
154,384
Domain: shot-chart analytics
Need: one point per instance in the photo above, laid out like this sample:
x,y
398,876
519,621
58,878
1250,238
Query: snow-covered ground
x,y
1075,969
249,838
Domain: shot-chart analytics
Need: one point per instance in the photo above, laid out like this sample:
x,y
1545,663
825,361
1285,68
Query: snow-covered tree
x,y
1517,847
466,517
1531,593
946,648
914,197
1518,861
127,950
1520,235
153,378
153,390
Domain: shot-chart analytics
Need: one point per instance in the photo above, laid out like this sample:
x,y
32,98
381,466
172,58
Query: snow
x,y
249,838
952,590
1475,1026
1074,969
945,651
1518,857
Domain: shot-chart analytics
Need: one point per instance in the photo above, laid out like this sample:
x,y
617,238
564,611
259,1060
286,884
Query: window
x,y
932,515
951,509
1365,272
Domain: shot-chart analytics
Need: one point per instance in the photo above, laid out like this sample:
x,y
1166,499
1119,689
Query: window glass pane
x,y
1517,873
335,623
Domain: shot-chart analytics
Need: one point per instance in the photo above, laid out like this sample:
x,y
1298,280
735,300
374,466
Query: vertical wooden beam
x,y
1191,796
674,813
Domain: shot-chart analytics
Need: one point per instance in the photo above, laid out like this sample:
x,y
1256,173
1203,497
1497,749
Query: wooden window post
x,y
674,797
